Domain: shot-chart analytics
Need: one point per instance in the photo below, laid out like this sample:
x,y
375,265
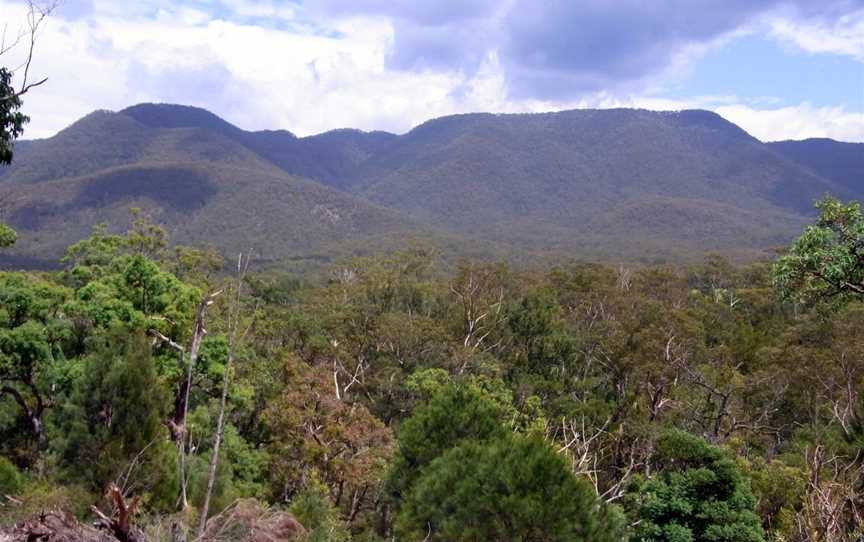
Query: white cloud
x,y
843,35
797,122
310,78
261,9
760,117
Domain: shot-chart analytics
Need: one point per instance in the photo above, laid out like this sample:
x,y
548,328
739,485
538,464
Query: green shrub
x,y
11,479
513,488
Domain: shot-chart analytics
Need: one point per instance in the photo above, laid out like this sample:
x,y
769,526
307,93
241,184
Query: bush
x,y
699,494
11,479
513,488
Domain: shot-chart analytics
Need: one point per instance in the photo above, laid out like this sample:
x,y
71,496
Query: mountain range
x,y
618,184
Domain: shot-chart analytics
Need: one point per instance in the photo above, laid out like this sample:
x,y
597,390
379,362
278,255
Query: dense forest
x,y
395,399
154,391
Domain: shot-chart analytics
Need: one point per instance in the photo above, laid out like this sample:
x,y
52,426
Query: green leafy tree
x,y
12,120
827,261
316,512
11,480
114,286
512,488
455,414
111,429
698,495
33,337
8,236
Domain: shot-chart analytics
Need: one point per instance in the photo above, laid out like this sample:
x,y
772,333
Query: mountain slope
x,y
505,175
607,184
840,162
330,157
202,184
236,209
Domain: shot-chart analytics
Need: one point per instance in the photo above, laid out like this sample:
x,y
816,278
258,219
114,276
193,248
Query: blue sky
x,y
779,68
765,70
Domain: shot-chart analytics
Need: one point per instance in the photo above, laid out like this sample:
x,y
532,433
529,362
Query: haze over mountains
x,y
599,184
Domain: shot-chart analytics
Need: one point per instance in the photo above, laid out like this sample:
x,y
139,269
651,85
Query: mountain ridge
x,y
581,183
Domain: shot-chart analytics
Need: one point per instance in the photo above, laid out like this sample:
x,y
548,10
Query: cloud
x,y
391,65
841,34
439,13
797,122
560,49
301,79
449,35
571,47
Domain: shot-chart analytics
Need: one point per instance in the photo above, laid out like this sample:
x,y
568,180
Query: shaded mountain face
x,y
330,157
200,182
837,161
607,184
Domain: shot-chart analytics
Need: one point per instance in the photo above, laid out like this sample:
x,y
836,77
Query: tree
x,y
699,494
12,120
114,417
314,510
8,236
234,315
455,414
827,261
32,335
512,488
315,433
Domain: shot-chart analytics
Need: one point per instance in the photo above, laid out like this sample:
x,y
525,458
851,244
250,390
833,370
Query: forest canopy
x,y
396,398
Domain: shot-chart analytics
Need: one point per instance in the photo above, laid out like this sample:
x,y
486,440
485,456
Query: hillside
x,y
599,184
330,157
518,176
204,186
838,161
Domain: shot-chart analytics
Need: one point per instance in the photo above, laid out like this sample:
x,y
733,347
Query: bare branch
x,y
37,12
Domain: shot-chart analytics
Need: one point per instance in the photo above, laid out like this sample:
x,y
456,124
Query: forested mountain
x,y
611,177
837,161
602,184
202,183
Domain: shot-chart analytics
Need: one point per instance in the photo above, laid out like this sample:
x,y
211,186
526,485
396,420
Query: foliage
x,y
699,494
314,510
340,441
549,397
453,415
11,479
12,120
827,261
113,421
512,488
8,236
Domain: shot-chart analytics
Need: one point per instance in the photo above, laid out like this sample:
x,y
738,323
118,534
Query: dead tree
x,y
234,314
588,448
119,523
832,505
37,12
177,423
480,296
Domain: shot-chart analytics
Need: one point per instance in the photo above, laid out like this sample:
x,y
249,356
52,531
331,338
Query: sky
x,y
781,69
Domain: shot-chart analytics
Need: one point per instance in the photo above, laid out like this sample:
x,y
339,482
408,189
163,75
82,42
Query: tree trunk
x,y
234,311
220,429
